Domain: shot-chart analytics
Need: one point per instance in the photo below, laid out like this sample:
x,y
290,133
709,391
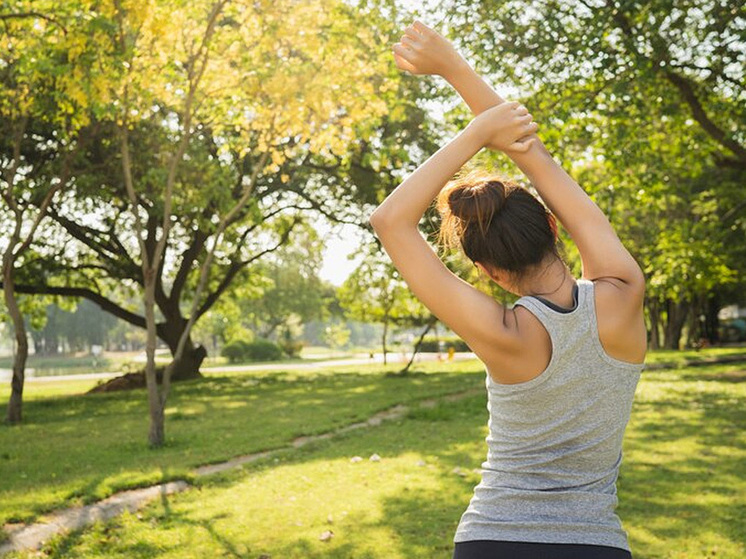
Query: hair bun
x,y
476,203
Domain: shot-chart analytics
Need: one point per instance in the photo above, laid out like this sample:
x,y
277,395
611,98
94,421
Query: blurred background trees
x,y
160,147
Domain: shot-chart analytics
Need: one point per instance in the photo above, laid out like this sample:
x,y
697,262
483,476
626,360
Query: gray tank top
x,y
555,441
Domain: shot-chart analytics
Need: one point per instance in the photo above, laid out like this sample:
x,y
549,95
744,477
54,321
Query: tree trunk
x,y
188,366
156,433
385,332
51,331
428,327
712,322
696,327
15,403
677,313
38,339
655,318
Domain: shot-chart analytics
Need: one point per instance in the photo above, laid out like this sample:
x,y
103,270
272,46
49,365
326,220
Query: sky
x,y
340,241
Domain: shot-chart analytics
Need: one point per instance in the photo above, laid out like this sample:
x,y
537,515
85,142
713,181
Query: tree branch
x,y
681,83
78,232
236,267
100,300
23,15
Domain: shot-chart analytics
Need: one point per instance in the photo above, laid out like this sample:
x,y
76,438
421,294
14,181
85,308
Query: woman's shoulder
x,y
620,299
620,319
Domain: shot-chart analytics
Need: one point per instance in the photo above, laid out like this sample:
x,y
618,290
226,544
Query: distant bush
x,y
288,343
235,351
263,350
431,344
258,350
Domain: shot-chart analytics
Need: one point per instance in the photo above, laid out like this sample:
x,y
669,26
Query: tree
x,y
216,126
293,289
374,292
336,335
332,172
40,99
309,121
648,99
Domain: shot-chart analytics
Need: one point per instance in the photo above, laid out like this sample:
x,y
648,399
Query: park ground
x,y
682,485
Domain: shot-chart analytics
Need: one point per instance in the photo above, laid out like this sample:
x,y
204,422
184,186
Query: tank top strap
x,y
560,323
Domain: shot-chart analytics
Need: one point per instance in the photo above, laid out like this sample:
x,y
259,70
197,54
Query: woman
x,y
563,362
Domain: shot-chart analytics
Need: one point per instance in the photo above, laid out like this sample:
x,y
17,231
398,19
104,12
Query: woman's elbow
x,y
378,219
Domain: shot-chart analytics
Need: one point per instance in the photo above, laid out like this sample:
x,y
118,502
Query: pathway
x,y
5,374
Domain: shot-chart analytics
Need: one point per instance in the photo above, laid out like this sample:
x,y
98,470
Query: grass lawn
x,y
682,487
680,357
126,362
74,448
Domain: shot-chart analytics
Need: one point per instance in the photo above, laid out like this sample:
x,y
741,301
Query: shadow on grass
x,y
689,476
690,498
435,433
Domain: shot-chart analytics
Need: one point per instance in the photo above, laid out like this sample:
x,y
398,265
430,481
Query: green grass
x,y
678,358
66,365
682,486
74,449
218,362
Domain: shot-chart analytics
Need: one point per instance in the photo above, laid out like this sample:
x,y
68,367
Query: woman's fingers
x,y
412,33
409,42
421,27
403,51
403,64
520,146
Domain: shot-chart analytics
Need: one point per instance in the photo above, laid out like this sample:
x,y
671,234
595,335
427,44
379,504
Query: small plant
x,y
290,346
235,351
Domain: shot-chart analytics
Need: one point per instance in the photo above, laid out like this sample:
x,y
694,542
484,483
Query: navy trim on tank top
x,y
556,307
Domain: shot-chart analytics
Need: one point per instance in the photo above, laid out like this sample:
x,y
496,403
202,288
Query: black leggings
x,y
488,549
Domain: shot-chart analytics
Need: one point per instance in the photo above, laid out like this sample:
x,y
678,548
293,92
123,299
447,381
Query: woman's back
x,y
554,443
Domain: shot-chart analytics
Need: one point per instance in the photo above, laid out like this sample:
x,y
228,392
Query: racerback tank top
x,y
555,442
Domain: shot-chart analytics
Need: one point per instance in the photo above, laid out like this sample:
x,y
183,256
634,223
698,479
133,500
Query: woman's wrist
x,y
457,72
476,133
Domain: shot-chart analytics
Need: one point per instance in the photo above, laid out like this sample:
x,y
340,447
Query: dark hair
x,y
497,223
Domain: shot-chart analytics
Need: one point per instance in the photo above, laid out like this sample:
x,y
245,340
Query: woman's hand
x,y
505,127
422,50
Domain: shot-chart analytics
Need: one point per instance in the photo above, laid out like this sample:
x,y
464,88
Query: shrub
x,y
235,350
430,344
291,347
258,350
263,350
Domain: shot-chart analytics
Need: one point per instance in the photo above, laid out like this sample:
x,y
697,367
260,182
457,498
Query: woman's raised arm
x,y
473,315
424,51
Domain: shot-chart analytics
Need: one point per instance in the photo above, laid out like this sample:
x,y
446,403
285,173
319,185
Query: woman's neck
x,y
553,282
